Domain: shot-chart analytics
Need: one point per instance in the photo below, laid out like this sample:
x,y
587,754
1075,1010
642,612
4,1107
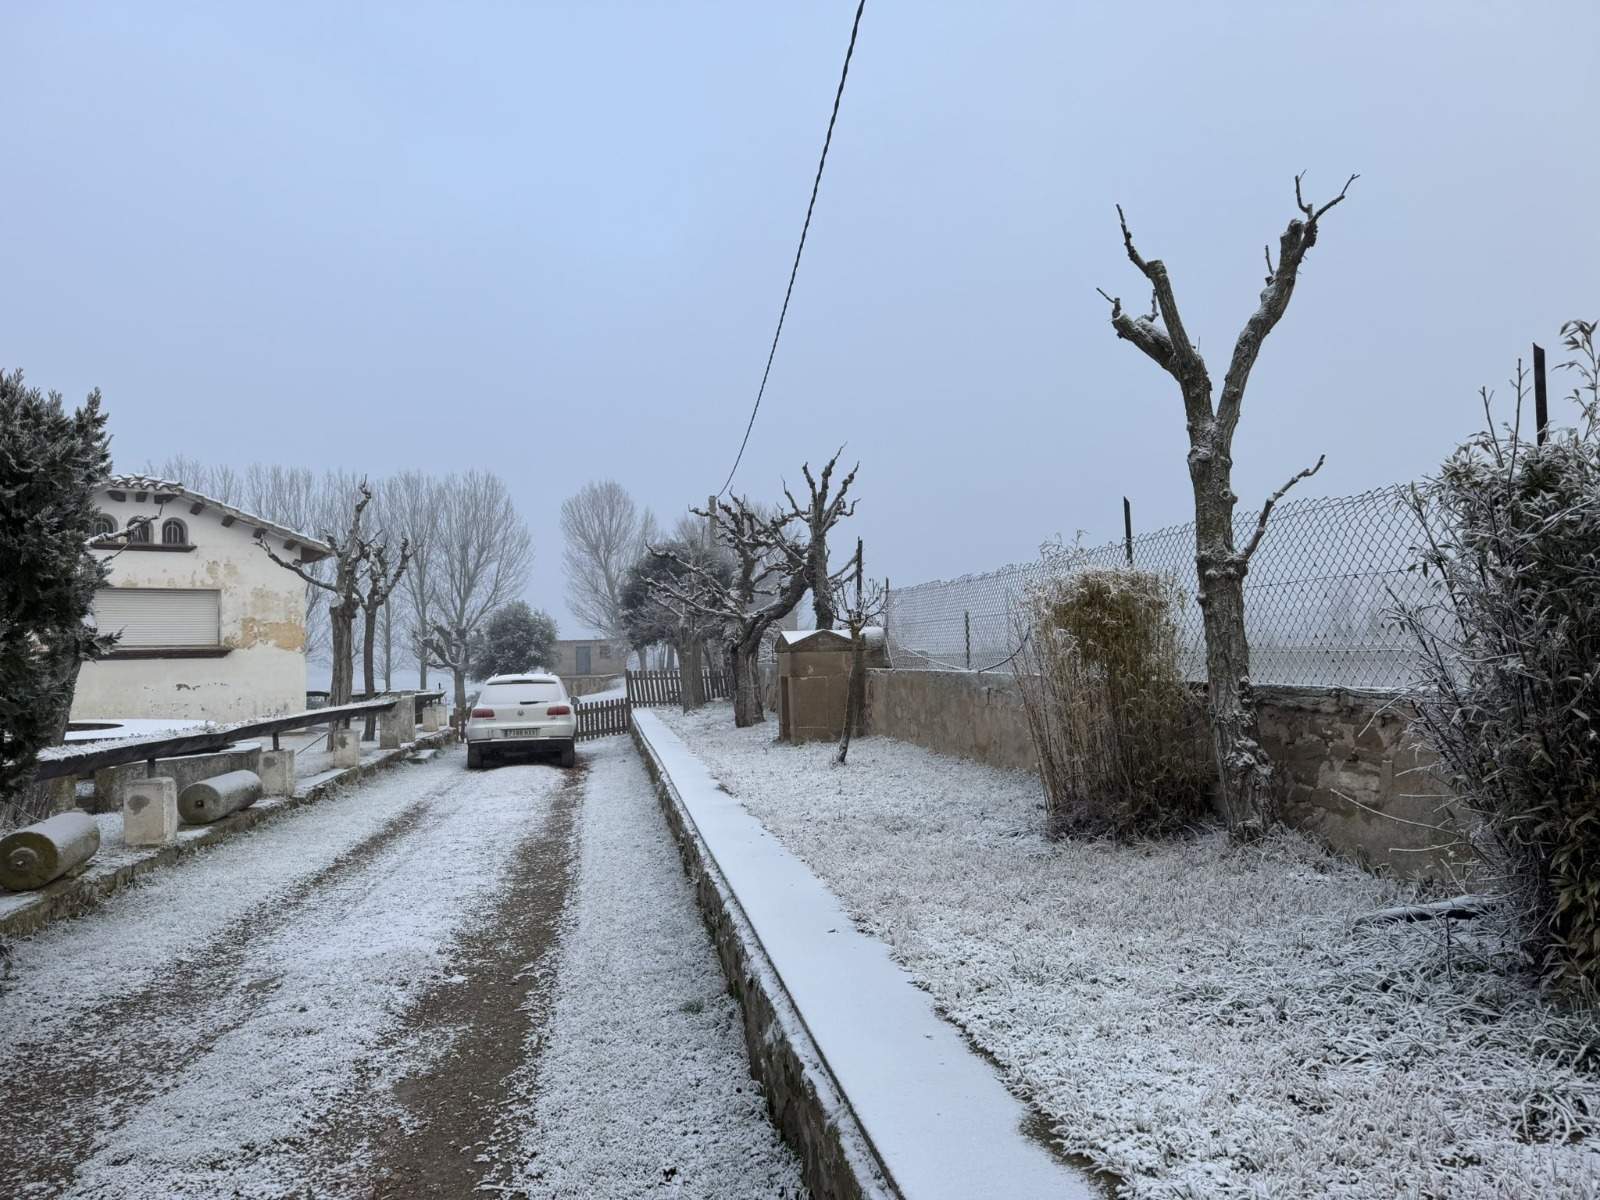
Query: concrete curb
x,y
69,897
804,1099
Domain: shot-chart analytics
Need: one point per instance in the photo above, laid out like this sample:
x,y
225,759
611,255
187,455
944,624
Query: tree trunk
x,y
460,674
747,709
691,689
821,594
388,648
369,682
1244,772
856,700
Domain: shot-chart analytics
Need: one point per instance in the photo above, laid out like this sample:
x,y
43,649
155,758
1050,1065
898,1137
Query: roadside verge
x,y
117,866
877,1094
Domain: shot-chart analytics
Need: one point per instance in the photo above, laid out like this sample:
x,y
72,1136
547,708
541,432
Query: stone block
x,y
63,794
150,811
111,786
430,718
277,772
346,744
395,726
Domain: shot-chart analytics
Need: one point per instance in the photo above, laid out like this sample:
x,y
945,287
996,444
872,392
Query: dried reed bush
x,y
1119,734
1509,694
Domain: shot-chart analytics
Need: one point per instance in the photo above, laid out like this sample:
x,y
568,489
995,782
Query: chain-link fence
x,y
1317,597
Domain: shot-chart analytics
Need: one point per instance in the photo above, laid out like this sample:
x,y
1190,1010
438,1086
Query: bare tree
x,y
768,579
412,502
377,582
821,512
605,533
483,557
350,553
860,611
1244,770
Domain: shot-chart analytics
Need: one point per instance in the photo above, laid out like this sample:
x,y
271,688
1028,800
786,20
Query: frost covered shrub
x,y
1116,728
1510,654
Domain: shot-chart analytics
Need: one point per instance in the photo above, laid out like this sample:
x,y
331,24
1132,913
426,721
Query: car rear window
x,y
521,693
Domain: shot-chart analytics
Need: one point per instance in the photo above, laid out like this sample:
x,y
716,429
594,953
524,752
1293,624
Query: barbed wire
x,y
1318,597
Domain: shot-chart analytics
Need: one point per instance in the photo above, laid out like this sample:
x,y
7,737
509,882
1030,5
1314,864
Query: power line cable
x,y
799,250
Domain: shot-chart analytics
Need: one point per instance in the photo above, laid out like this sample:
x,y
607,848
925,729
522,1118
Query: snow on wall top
x,y
941,1121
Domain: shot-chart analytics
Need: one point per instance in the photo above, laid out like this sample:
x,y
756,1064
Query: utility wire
x,y
800,249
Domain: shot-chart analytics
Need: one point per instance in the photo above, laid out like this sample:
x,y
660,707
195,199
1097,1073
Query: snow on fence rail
x,y
59,762
1317,597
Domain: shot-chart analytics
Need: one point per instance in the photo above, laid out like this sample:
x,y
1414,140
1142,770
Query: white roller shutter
x,y
159,616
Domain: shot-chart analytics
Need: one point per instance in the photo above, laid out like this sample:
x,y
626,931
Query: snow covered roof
x,y
310,548
872,634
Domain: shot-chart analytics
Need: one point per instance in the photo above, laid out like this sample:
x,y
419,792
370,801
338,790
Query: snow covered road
x,y
437,983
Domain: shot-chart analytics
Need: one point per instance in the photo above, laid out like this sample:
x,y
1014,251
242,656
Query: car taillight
x,y
558,710
483,712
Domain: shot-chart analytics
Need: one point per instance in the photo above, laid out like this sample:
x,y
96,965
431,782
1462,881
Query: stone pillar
x,y
277,772
395,726
150,811
346,745
430,718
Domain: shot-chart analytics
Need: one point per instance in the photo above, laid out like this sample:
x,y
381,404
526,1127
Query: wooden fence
x,y
647,688
602,718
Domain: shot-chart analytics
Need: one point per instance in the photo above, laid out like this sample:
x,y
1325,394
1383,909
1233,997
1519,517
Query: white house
x,y
211,628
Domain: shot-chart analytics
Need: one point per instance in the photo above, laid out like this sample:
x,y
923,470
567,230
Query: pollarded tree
x,y
350,555
768,578
823,509
515,638
51,462
651,616
861,606
1244,770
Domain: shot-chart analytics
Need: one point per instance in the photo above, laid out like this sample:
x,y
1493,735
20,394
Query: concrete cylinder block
x,y
150,811
395,726
34,855
212,799
430,718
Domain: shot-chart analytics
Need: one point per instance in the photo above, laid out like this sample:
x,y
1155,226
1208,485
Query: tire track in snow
x,y
496,998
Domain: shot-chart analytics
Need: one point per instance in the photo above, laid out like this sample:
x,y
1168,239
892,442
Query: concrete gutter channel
x,y
28,912
904,1109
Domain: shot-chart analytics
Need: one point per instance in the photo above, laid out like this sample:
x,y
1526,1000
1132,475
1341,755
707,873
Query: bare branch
x,y
1266,509
297,566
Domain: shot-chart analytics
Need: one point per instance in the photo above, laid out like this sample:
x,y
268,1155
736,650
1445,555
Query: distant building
x,y
211,628
579,659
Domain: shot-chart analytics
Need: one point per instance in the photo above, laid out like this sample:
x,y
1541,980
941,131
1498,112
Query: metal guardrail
x,y
92,758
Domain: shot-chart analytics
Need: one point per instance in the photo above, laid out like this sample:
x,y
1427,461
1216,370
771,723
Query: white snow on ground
x,y
643,1085
306,1004
1200,1019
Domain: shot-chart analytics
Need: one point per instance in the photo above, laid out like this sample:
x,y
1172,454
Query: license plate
x,y
526,732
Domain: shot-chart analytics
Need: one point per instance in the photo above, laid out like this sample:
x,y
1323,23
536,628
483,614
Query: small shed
x,y
814,681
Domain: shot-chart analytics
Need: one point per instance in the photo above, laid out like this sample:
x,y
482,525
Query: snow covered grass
x,y
1200,1019
643,1085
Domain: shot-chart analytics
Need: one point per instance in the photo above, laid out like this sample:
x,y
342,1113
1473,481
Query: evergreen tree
x,y
515,638
51,463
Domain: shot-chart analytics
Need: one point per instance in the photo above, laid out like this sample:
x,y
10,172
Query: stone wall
x,y
954,712
1347,774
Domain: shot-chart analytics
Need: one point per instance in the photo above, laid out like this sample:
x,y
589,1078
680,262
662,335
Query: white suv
x,y
524,714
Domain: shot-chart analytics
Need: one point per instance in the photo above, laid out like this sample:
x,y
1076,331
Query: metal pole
x,y
967,620
1541,406
1127,529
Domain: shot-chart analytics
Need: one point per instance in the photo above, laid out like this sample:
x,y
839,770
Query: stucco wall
x,y
262,611
1327,745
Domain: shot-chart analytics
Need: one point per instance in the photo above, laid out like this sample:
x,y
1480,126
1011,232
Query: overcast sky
x,y
552,240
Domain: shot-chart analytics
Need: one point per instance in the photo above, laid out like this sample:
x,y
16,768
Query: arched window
x,y
138,530
103,526
173,532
